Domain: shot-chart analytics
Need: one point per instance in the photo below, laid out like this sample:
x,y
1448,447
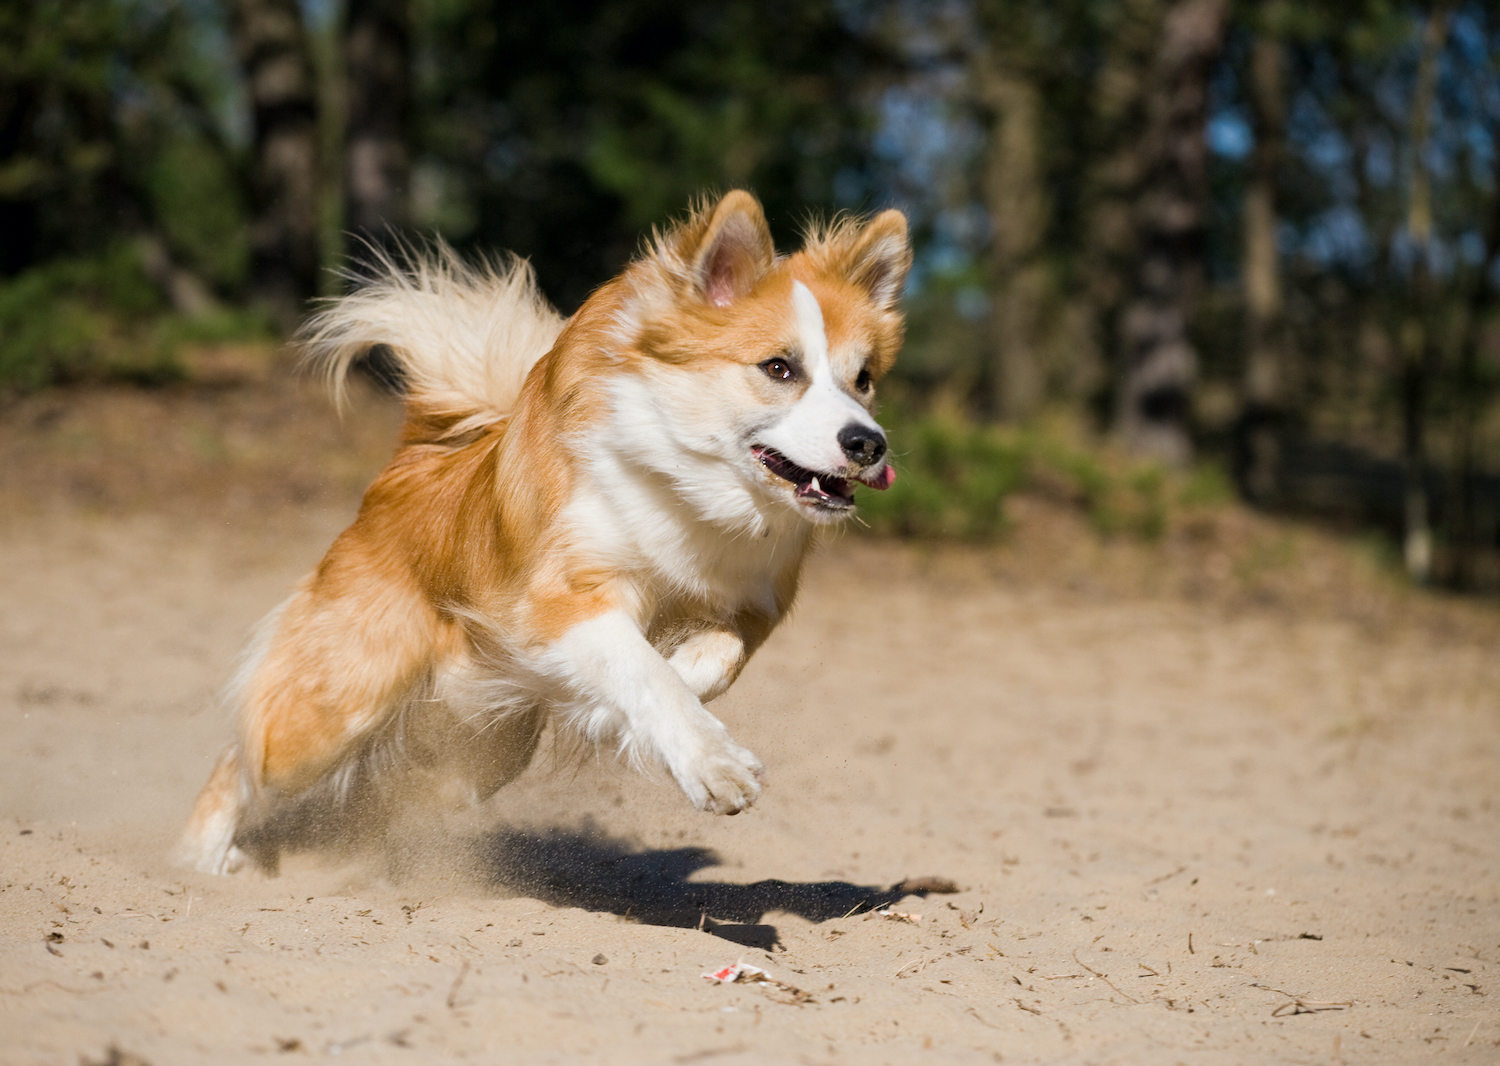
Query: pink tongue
x,y
886,480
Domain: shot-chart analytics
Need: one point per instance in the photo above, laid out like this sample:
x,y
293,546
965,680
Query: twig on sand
x,y
27,989
1309,1006
463,971
1165,877
920,964
1300,1005
981,1021
920,886
1102,977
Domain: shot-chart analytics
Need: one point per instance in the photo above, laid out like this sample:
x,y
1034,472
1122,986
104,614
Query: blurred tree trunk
x,y
1417,341
1013,379
1157,361
1265,333
273,52
1483,301
377,159
1119,126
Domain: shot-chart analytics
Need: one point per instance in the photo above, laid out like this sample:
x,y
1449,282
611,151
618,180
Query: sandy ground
x,y
1182,828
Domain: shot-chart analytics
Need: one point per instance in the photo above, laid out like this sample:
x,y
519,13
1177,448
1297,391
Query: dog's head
x,y
767,365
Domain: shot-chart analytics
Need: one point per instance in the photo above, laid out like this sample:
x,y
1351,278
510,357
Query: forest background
x,y
1190,246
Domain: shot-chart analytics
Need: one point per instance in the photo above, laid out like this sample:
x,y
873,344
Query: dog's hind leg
x,y
344,656
207,843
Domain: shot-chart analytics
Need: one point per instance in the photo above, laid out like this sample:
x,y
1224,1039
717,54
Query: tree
x,y
1417,341
1265,324
1157,360
62,158
1012,375
1483,299
276,63
377,43
563,131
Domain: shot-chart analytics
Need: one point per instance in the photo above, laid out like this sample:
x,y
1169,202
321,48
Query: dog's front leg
x,y
709,661
636,694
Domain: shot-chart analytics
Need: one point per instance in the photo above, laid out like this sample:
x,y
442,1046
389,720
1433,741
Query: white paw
x,y
208,843
721,777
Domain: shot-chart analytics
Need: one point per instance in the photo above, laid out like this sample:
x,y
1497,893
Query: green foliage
x,y
564,133
70,317
100,318
954,477
952,481
1207,485
111,124
195,195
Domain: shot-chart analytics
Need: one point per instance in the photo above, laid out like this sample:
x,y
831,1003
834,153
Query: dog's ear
x,y
735,250
879,259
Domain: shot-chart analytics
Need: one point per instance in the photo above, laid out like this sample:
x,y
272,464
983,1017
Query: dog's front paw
x,y
721,778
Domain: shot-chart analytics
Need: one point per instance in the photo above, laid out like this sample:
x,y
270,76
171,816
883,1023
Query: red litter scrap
x,y
744,973
739,971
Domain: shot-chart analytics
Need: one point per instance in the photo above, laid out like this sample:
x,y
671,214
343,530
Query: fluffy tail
x,y
463,336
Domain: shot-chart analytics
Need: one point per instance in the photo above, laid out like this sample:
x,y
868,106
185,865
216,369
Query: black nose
x,y
862,444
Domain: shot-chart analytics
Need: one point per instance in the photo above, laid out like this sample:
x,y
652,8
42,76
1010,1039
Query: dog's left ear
x,y
735,250
879,259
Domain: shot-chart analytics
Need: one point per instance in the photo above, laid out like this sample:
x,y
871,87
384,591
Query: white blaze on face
x,y
814,335
808,433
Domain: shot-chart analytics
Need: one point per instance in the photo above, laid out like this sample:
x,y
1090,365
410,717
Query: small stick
x,y
453,992
919,963
1310,1006
1165,877
1102,977
977,1018
1085,965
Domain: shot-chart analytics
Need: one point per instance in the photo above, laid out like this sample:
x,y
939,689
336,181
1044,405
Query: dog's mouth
x,y
828,491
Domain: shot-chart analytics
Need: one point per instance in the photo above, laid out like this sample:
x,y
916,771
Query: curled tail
x,y
464,336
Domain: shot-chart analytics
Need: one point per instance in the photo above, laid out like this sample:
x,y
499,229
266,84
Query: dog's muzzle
x,y
864,445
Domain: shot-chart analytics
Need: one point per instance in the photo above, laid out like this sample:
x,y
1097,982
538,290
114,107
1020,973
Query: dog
x,y
592,522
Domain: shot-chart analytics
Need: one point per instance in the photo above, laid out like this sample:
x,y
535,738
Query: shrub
x,y
954,477
102,319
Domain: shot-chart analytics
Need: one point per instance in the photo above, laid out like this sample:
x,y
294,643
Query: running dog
x,y
592,522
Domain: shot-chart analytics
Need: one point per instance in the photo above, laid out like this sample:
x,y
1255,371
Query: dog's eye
x,y
863,381
779,369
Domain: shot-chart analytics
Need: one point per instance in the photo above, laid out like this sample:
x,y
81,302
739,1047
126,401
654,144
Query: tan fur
x,y
463,567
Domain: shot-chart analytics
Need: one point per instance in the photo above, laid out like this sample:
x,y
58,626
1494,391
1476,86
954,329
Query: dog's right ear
x,y
734,250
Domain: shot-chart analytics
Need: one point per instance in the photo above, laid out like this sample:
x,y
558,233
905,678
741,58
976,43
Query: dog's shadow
x,y
586,869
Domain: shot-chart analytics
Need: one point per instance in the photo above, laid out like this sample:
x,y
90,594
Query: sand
x,y
1181,828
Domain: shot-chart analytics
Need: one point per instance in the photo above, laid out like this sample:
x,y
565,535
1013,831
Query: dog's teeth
x,y
813,484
